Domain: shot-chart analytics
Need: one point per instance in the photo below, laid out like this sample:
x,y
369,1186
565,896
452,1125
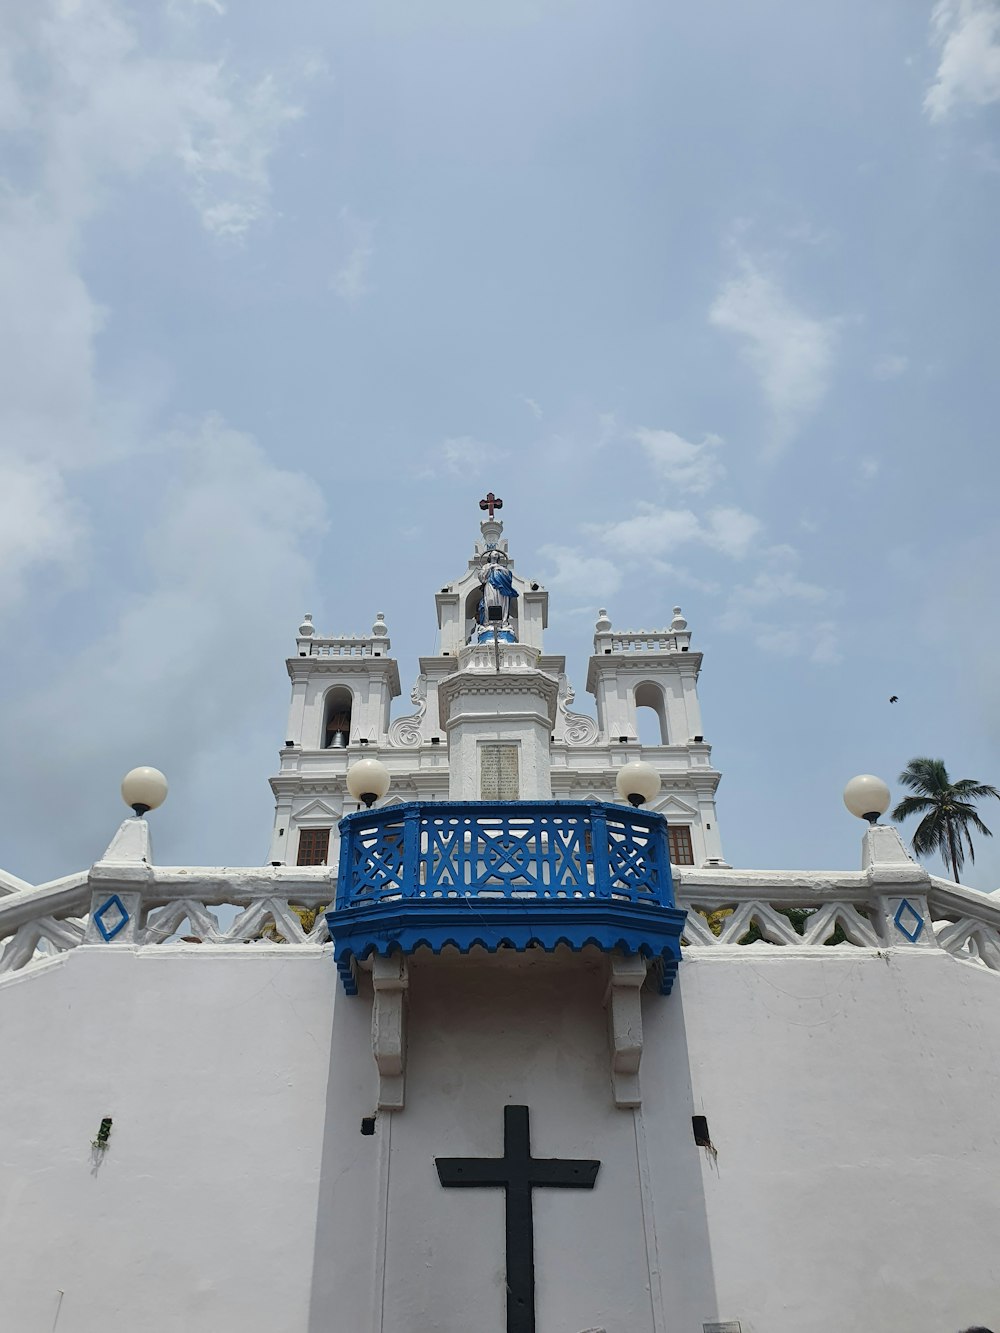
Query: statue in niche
x,y
498,592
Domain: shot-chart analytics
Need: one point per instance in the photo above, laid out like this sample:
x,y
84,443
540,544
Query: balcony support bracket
x,y
626,975
390,980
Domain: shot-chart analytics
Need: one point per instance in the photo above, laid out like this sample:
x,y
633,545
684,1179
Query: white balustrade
x,y
261,907
346,647
283,907
641,641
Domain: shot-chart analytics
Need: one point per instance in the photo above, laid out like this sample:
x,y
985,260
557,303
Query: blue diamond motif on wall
x,y
117,917
909,921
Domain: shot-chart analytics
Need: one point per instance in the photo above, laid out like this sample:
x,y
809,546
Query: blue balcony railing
x,y
517,874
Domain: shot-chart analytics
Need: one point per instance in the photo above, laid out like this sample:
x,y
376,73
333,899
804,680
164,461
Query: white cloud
x,y
103,107
816,640
50,411
229,537
869,468
819,642
180,6
682,577
686,466
350,282
657,532
460,456
91,108
227,549
580,575
791,352
39,523
968,33
533,407
731,531
651,532
778,582
783,614
890,366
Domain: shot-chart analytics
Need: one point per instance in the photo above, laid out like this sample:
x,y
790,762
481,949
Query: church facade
x,y
497,1040
343,688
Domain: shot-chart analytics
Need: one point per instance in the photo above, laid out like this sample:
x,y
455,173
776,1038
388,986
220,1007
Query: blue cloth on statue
x,y
501,580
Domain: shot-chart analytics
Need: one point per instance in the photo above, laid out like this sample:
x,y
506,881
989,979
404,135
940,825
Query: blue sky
x,y
708,293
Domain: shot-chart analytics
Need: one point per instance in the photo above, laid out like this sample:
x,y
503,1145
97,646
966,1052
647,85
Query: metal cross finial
x,y
491,502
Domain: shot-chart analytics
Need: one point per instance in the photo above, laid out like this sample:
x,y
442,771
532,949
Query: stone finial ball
x,y
637,782
145,787
368,777
866,795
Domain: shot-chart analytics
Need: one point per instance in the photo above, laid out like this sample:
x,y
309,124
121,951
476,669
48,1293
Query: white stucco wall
x,y
851,1099
202,1213
850,1102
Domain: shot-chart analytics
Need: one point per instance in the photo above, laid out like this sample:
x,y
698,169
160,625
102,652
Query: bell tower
x,y
656,670
342,691
497,699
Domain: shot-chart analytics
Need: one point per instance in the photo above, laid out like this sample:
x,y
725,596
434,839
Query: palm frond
x,y
930,835
925,775
912,805
969,789
979,825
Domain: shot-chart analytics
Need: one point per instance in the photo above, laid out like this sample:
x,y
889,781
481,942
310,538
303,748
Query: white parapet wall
x,y
848,1091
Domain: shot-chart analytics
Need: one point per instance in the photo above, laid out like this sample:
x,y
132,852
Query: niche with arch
x,y
650,714
472,610
337,708
472,606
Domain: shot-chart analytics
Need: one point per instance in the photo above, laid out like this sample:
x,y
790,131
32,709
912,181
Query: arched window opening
x,y
650,714
337,719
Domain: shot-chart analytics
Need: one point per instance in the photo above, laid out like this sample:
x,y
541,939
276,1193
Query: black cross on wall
x,y
518,1173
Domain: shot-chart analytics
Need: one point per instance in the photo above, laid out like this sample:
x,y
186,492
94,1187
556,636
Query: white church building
x,y
497,1039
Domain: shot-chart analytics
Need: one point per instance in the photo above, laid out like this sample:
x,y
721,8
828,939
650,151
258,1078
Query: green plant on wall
x,y
308,916
798,916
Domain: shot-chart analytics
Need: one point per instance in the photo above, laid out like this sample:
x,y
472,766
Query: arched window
x,y
337,719
650,714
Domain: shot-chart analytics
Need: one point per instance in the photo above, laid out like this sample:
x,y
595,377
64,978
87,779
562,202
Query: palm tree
x,y
947,808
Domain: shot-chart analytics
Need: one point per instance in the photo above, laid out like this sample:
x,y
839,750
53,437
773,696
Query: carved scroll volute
x,y
409,730
577,728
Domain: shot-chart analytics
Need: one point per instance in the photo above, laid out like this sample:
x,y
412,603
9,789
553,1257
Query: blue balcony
x,y
514,874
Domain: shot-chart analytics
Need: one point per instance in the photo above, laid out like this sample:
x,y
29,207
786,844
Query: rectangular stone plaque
x,y
498,773
731,1326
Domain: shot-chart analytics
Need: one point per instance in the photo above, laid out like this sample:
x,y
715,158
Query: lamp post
x,y
368,781
637,782
144,789
867,797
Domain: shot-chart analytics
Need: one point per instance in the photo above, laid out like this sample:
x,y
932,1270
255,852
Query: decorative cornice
x,y
685,664
507,683
346,666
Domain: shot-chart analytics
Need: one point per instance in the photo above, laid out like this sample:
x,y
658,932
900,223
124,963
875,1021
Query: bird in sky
x,y
894,698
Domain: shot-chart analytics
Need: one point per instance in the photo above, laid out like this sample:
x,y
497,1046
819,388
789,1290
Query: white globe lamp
x,y
867,797
637,782
144,789
368,781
